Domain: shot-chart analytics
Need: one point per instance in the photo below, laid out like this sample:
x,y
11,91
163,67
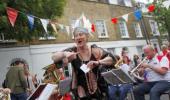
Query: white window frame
x,y
47,38
154,28
126,29
137,29
99,34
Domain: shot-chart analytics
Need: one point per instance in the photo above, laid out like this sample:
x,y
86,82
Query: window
x,y
47,37
154,28
138,30
123,29
101,29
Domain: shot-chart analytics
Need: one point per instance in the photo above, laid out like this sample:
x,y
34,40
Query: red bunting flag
x,y
151,8
12,15
114,20
93,28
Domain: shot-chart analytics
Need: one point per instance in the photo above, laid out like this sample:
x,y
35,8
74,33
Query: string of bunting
x,y
13,14
81,21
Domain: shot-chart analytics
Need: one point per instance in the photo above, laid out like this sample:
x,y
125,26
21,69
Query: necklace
x,y
91,82
90,77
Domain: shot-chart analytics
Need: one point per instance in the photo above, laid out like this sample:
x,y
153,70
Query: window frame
x,y
156,28
125,26
139,29
105,28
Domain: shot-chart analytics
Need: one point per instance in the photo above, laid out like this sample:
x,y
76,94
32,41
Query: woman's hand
x,y
92,64
70,55
57,56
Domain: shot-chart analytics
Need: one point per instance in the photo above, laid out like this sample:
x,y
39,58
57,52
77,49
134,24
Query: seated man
x,y
157,76
120,89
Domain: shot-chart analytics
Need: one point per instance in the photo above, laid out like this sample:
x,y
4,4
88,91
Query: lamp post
x,y
143,25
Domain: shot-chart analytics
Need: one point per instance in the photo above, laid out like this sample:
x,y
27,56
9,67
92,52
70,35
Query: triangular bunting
x,y
151,8
114,20
138,14
45,22
145,10
166,4
54,27
93,28
12,15
76,24
30,21
83,18
125,17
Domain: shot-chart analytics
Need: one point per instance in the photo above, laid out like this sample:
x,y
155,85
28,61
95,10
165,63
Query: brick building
x,y
109,36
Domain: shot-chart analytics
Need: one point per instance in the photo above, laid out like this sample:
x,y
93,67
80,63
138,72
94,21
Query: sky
x,y
145,1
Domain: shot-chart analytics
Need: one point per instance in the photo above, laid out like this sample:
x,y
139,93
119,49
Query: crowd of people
x,y
91,85
19,82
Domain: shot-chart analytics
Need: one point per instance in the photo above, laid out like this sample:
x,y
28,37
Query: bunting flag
x,y
30,21
138,15
54,27
12,15
145,10
82,21
45,23
76,24
166,4
93,28
83,18
151,8
125,17
114,20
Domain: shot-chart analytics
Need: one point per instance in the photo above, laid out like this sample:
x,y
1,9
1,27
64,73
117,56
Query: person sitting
x,y
157,76
84,54
120,89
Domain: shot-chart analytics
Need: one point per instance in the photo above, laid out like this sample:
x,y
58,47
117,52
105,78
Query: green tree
x,y
162,16
47,9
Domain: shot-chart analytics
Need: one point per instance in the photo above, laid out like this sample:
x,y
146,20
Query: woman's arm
x,y
63,55
106,61
102,57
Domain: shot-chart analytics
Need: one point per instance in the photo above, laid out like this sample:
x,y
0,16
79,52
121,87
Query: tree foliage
x,y
47,9
162,16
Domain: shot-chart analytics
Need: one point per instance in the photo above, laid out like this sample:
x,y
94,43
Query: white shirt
x,y
125,68
151,75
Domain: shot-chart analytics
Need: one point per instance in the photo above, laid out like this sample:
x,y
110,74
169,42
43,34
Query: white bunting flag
x,y
45,22
76,24
125,17
145,10
166,4
83,19
54,27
